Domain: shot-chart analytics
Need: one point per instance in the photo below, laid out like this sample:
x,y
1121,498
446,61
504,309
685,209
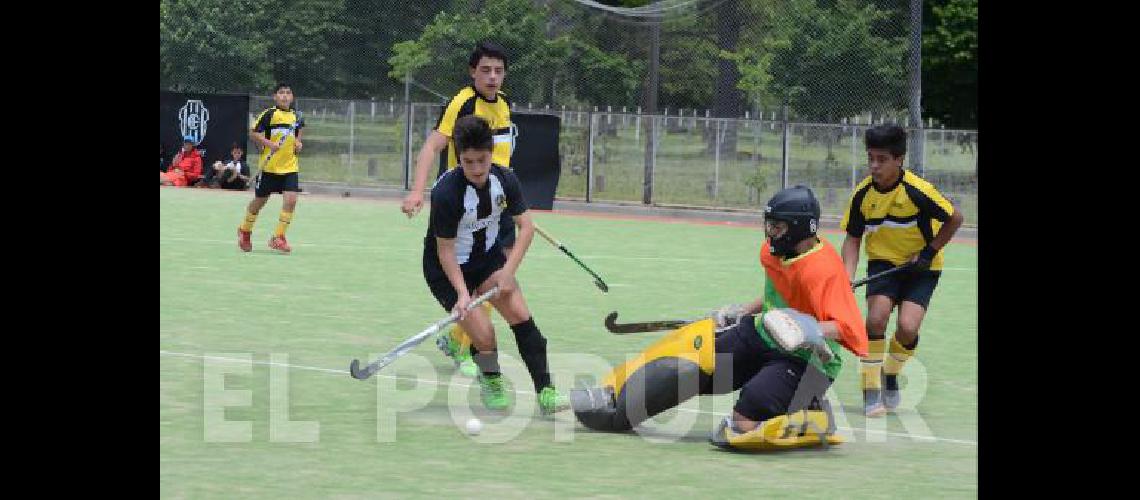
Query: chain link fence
x,y
603,154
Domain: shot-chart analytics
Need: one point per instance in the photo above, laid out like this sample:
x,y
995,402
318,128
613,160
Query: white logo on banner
x,y
192,120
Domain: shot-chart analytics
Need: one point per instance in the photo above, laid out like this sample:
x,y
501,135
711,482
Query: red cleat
x,y
278,243
243,240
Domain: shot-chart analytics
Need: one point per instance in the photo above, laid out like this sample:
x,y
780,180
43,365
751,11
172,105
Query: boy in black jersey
x,y
463,257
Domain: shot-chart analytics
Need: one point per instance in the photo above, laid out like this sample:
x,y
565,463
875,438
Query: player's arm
x,y
297,134
429,155
444,222
946,232
840,318
522,242
850,255
517,209
258,132
931,202
445,249
853,223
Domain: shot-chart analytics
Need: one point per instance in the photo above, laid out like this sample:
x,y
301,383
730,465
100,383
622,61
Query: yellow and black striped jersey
x,y
898,221
277,124
497,113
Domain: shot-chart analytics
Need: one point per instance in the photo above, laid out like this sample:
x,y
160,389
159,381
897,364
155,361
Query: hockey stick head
x,y
356,372
603,287
650,326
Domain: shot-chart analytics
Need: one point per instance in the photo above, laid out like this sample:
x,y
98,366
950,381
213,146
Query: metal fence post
x,y
716,163
408,111
854,158
590,159
351,136
787,146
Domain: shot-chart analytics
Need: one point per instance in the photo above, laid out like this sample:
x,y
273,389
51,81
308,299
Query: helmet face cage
x,y
799,215
775,228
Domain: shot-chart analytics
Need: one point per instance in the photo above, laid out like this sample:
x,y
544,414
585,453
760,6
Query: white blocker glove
x,y
793,330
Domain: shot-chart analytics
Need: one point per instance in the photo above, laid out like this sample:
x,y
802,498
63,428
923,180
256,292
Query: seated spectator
x,y
186,169
161,157
233,174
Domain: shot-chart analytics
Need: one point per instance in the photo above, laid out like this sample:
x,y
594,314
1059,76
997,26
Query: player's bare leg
x,y
245,230
902,348
879,309
485,353
288,204
455,343
531,344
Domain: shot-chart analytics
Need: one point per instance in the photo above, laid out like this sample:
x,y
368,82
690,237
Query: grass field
x,y
353,288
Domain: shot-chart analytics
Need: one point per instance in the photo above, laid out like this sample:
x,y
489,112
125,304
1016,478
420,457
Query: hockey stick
x,y
883,274
655,326
597,279
405,346
649,326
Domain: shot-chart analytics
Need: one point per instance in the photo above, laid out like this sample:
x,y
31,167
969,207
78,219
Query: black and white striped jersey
x,y
471,215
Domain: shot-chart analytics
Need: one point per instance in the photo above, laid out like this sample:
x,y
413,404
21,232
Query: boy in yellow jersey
x,y
278,131
488,67
906,221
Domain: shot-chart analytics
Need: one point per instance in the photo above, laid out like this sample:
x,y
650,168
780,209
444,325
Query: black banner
x,y
216,121
535,159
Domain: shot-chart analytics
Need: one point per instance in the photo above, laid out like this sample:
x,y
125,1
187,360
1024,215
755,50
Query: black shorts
x,y
911,286
771,382
441,287
266,183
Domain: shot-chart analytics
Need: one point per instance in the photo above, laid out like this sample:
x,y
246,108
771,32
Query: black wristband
x,y
928,252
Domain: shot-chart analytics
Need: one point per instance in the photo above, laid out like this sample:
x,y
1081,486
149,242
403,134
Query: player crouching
x,y
781,350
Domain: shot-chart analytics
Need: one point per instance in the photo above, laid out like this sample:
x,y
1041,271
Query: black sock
x,y
488,362
532,348
912,345
890,382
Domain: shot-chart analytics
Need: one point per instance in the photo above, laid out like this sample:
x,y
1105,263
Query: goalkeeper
x,y
784,347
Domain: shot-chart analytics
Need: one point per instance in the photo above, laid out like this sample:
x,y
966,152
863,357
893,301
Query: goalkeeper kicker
x,y
781,351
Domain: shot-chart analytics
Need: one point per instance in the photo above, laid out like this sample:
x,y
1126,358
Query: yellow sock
x,y
899,355
247,224
871,366
460,336
286,218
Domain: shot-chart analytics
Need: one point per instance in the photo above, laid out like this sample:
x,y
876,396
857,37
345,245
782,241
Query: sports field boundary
x,y
608,210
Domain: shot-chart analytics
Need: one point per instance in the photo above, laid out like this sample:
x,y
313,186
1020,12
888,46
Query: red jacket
x,y
189,163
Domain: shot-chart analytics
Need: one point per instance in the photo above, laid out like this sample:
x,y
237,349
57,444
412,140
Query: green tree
x,y
437,58
212,45
950,62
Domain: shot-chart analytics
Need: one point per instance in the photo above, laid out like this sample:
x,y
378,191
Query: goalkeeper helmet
x,y
798,208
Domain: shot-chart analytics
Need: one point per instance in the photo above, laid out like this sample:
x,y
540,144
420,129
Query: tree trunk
x,y
730,100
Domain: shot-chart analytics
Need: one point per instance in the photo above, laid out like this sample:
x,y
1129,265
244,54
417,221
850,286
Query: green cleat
x,y
468,367
551,401
461,357
493,393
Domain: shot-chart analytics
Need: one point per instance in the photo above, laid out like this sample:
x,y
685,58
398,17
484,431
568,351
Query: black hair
x,y
473,132
490,49
280,86
889,137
